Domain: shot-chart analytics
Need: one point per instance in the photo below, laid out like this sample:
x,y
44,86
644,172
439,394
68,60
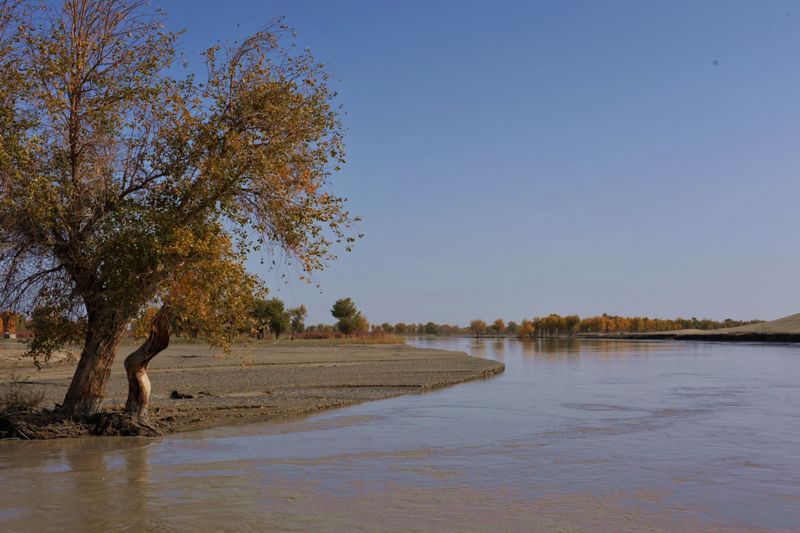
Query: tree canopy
x,y
297,318
270,315
477,327
498,326
349,318
124,185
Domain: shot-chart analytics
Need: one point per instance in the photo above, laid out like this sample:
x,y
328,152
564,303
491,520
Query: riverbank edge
x,y
782,338
235,417
46,425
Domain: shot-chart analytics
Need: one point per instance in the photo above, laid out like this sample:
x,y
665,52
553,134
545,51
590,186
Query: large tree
x,y
270,315
498,326
348,318
478,328
297,319
526,330
124,185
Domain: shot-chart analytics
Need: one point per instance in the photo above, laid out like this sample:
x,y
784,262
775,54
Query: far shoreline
x,y
680,335
781,338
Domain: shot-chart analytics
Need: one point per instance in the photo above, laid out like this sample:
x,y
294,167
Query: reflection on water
x,y
576,435
75,485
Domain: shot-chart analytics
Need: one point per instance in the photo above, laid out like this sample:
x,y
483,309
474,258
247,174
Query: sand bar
x,y
260,381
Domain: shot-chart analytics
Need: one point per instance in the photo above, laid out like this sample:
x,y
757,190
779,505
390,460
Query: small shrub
x,y
319,335
17,399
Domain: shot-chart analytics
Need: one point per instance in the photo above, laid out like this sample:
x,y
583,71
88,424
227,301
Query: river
x,y
576,435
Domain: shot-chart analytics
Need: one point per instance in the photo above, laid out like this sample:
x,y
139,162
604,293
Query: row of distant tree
x,y
556,325
271,316
266,317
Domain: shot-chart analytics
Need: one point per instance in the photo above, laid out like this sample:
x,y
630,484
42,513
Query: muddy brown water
x,y
574,436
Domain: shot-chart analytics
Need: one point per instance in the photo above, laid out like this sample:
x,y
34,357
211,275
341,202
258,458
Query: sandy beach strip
x,y
196,387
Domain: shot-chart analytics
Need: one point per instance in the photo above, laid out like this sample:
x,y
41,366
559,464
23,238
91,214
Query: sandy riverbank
x,y
786,329
259,381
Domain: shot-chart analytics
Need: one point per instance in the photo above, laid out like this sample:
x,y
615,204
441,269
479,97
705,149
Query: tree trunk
x,y
136,364
88,386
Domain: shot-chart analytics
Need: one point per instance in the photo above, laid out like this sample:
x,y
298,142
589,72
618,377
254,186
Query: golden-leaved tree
x,y
124,186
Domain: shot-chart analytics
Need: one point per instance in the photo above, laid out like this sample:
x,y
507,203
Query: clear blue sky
x,y
512,159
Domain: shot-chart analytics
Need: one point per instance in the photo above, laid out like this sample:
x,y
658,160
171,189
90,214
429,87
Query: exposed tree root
x,y
53,425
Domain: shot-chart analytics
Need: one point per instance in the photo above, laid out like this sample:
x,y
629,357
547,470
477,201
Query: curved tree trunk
x,y
136,364
88,386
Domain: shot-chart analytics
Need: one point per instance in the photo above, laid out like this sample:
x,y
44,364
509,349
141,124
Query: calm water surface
x,y
575,436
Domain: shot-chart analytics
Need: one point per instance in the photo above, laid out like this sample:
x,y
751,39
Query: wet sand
x,y
259,381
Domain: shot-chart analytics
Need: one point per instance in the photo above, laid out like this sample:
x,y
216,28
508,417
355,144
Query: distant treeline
x,y
271,317
555,325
